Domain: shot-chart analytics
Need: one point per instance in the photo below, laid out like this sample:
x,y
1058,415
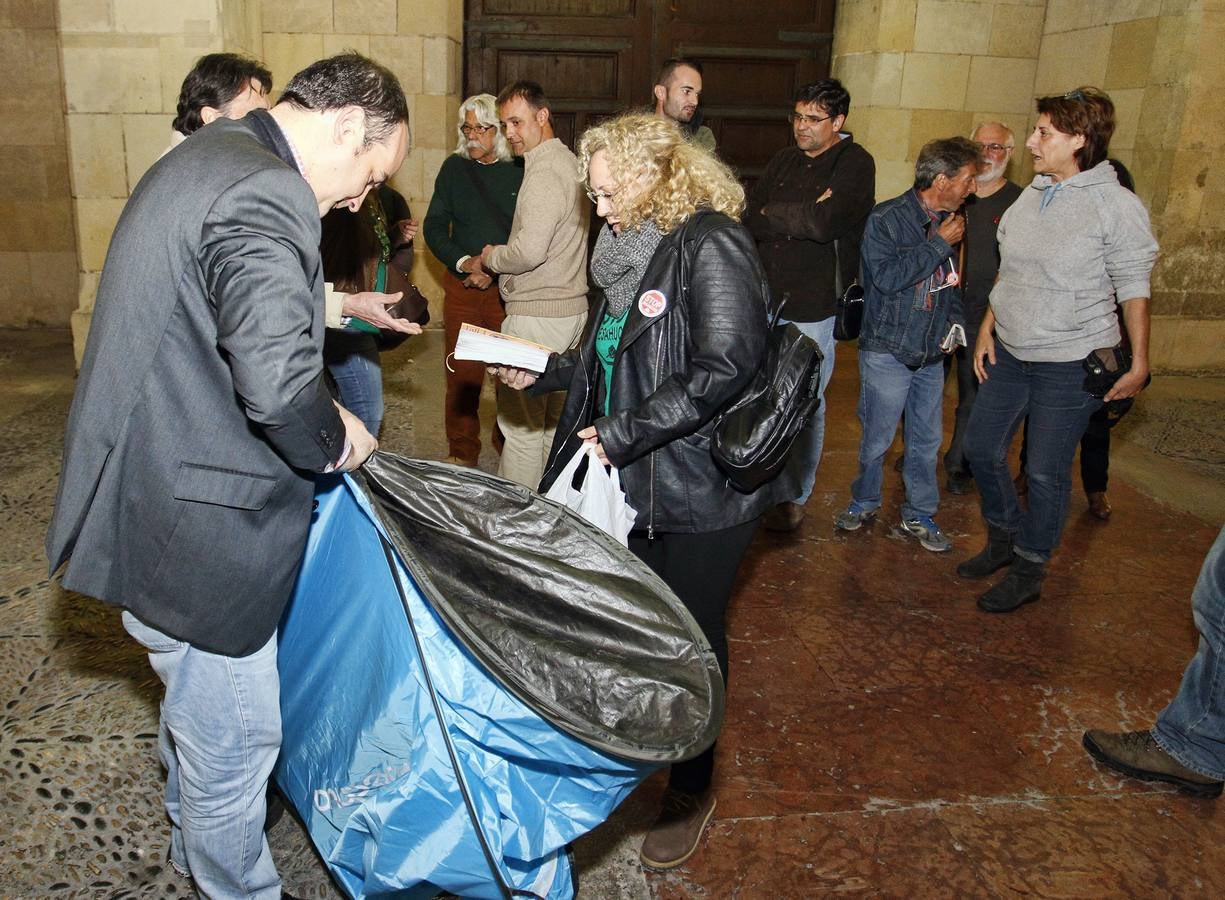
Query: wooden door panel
x,y
574,8
598,57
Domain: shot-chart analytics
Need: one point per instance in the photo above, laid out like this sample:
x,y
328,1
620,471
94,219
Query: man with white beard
x,y
994,194
473,204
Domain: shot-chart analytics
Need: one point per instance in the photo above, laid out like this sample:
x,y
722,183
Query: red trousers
x,y
466,378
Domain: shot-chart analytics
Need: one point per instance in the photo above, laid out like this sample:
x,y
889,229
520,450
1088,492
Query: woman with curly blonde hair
x,y
678,335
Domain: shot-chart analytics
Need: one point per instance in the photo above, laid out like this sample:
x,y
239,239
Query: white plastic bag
x,y
600,499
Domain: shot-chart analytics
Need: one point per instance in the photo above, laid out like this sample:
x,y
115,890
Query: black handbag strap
x,y
483,190
839,287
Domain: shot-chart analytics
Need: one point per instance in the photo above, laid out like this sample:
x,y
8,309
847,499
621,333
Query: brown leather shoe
x,y
783,517
675,835
1099,505
459,461
1135,753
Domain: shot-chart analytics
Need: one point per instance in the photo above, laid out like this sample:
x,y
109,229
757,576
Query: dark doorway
x,y
598,57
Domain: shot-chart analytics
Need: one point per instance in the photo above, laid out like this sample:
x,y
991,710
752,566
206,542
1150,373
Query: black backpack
x,y
753,436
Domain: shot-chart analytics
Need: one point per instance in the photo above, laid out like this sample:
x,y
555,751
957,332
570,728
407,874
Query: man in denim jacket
x,y
912,300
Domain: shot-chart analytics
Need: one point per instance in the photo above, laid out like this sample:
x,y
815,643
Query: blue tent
x,y
471,678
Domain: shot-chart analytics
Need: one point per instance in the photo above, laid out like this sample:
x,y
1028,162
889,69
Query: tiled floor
x,y
883,737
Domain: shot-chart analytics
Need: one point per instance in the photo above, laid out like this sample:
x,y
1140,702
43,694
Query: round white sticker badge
x,y
652,303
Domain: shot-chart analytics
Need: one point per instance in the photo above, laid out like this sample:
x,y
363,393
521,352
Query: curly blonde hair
x,y
680,176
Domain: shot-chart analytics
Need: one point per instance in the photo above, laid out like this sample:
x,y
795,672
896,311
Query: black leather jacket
x,y
674,371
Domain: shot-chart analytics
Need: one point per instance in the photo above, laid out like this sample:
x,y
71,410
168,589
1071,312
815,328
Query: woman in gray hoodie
x,y
1072,247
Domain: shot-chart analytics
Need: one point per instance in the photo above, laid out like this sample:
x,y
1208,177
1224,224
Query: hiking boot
x,y
925,530
997,554
783,517
853,517
1135,753
960,483
675,835
1099,505
1020,586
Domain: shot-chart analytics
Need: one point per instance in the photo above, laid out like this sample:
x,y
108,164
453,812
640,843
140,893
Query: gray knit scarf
x,y
619,262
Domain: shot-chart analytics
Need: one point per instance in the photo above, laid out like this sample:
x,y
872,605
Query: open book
x,y
500,349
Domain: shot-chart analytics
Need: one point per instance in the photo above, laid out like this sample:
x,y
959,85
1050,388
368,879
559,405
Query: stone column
x,y
38,253
124,61
924,69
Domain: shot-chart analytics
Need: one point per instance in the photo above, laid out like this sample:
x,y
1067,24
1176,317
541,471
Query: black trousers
x,y
701,570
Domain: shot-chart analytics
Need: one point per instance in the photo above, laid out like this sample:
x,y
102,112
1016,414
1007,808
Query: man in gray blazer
x,y
199,421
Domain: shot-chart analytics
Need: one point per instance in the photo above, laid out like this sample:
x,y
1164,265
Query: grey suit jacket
x,y
201,411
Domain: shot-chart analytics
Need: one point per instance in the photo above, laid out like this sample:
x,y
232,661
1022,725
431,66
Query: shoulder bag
x,y
848,318
751,439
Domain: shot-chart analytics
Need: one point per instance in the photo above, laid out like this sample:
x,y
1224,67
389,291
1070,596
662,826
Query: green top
x,y
606,340
460,222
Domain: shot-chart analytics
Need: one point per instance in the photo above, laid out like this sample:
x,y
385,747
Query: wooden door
x,y
599,57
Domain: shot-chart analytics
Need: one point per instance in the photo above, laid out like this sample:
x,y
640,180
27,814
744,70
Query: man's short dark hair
x,y
530,92
351,79
828,94
671,65
215,80
944,156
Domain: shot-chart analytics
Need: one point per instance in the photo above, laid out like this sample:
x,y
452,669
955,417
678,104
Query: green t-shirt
x,y
607,337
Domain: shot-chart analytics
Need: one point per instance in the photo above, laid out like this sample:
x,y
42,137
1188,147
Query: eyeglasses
x,y
595,197
996,148
1077,95
469,130
796,118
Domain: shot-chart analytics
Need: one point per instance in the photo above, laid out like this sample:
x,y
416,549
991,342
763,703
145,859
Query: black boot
x,y
1020,586
997,554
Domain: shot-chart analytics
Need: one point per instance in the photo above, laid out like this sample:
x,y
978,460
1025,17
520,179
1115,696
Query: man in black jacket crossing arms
x,y
807,213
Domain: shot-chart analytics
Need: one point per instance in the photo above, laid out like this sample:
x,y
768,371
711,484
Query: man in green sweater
x,y
542,271
473,204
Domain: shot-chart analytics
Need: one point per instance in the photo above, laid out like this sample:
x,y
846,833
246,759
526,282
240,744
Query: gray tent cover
x,y
565,617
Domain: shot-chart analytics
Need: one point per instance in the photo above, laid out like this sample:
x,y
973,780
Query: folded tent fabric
x,y
548,726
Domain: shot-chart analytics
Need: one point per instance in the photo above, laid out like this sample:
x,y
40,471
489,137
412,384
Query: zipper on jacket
x,y
659,353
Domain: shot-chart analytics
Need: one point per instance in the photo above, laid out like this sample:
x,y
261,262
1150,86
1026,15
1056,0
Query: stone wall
x,y
422,42
38,249
1161,64
923,69
124,61
920,69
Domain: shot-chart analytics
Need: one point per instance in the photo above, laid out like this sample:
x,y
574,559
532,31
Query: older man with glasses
x,y
473,205
993,195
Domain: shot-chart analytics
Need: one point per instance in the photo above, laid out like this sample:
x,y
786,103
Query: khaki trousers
x,y
528,422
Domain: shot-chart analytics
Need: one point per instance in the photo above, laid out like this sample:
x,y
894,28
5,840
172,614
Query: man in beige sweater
x,y
542,271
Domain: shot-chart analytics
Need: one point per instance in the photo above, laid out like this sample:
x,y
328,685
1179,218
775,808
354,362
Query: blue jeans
x,y
887,388
219,736
812,438
1053,396
353,360
1192,728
